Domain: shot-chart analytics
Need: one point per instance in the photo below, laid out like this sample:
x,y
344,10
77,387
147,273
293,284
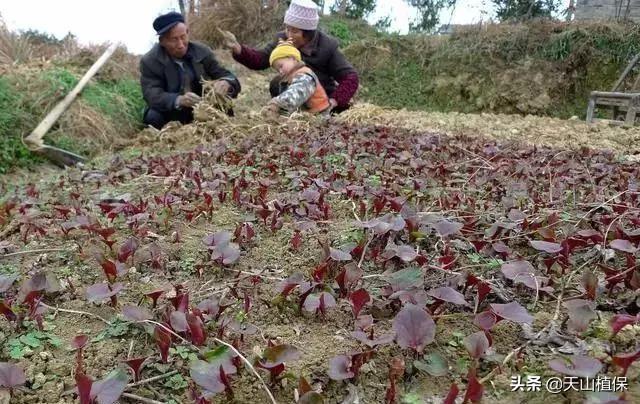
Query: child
x,y
300,87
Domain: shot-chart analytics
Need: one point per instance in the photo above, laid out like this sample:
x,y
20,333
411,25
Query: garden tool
x,y
34,141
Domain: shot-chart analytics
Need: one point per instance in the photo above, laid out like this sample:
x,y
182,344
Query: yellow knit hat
x,y
283,50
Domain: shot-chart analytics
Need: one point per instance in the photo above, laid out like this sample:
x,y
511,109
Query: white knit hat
x,y
302,14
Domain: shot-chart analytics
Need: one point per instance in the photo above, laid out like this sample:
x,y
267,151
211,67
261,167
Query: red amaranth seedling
x,y
275,357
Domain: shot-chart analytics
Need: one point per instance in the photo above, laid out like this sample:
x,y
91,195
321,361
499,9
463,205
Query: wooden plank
x,y
607,94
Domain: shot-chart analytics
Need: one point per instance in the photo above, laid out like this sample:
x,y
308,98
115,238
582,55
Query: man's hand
x,y
271,111
333,103
188,100
230,41
221,87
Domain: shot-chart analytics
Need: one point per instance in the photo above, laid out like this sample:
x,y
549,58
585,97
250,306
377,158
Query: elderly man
x,y
171,73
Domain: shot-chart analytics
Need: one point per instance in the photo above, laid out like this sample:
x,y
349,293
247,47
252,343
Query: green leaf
x,y
434,364
16,352
176,382
412,398
219,353
55,341
30,340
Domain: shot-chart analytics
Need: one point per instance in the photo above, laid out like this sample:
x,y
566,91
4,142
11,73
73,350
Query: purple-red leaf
x,y
474,388
102,291
127,249
109,389
477,344
623,245
512,311
79,341
546,246
449,295
619,321
228,253
11,375
286,286
523,272
372,343
207,376
84,385
581,312
278,355
163,341
319,302
178,321
6,281
196,329
136,365
359,299
339,255
625,360
452,395
136,313
339,368
576,365
414,328
447,228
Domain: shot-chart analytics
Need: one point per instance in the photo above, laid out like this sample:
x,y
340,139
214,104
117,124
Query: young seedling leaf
x,y
576,365
512,311
414,328
339,368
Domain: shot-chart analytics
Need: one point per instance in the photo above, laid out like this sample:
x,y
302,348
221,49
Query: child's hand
x,y
271,111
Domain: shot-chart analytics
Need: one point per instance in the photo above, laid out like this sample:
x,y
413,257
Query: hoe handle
x,y
34,140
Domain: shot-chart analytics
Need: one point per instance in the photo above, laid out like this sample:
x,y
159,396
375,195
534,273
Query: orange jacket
x,y
319,101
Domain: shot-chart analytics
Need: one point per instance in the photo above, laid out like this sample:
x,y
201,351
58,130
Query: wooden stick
x,y
152,379
34,140
83,313
43,250
141,399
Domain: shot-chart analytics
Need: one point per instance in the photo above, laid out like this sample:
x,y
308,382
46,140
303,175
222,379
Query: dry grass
x,y
248,20
13,48
530,129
